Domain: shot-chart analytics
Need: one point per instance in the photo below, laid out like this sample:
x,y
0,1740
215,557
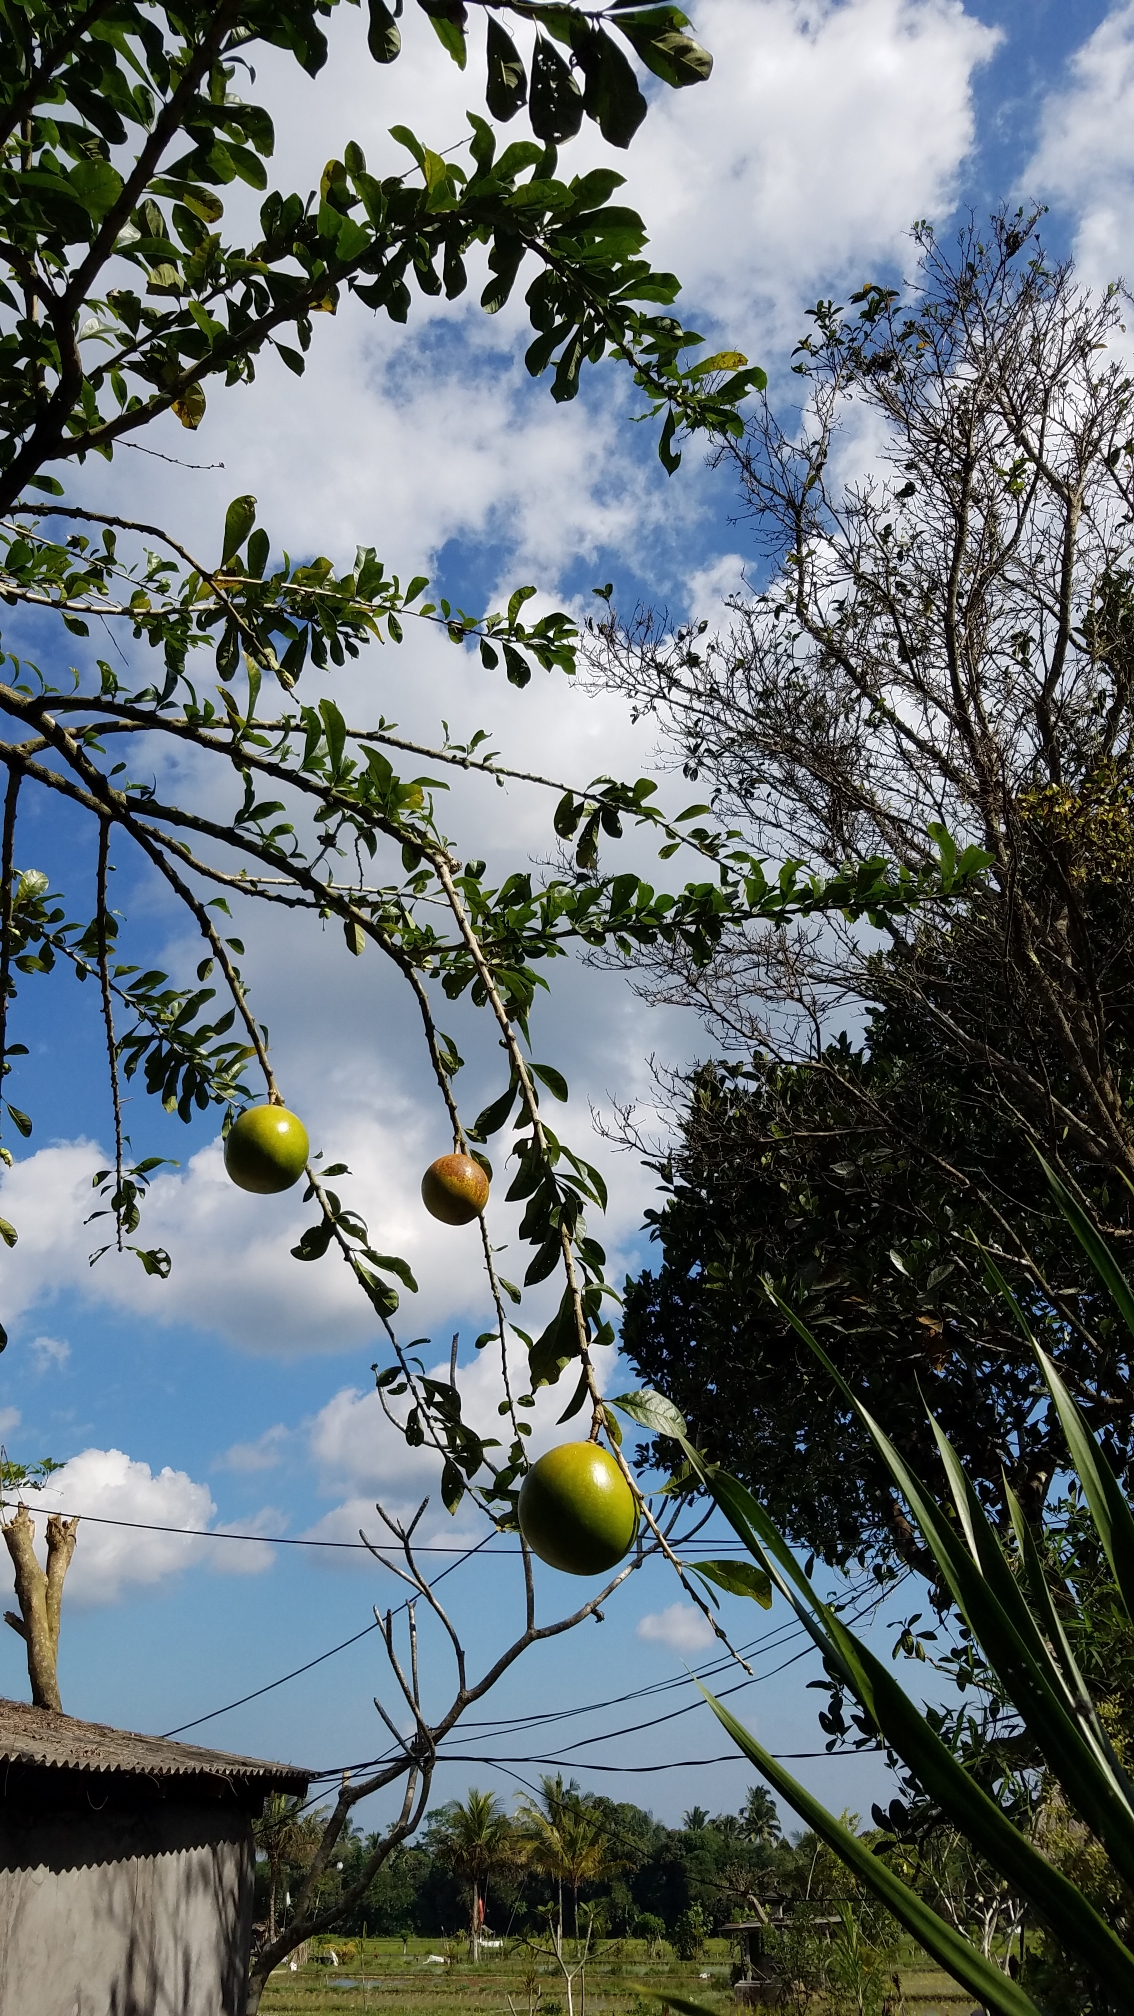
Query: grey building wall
x,y
120,1901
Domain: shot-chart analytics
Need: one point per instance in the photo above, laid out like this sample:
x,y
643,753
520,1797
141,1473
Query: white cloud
x,y
265,1453
49,1351
354,1448
107,1484
1085,156
111,1559
827,127
229,1557
678,1626
10,1417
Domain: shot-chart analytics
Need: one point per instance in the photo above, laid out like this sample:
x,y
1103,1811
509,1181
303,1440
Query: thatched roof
x,y
36,1736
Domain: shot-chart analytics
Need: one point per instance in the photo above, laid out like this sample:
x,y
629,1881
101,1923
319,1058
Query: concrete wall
x,y
143,1911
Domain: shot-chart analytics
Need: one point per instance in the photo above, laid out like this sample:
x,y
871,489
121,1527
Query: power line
x,y
355,1546
677,1763
282,1681
285,1677
524,1723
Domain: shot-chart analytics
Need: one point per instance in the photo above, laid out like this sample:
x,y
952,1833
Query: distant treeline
x,y
568,1856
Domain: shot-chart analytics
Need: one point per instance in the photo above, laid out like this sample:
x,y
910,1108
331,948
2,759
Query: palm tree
x,y
474,1840
286,1835
695,1820
760,1820
730,1826
565,1837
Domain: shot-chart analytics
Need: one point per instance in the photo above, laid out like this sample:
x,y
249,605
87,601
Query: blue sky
x,y
238,1394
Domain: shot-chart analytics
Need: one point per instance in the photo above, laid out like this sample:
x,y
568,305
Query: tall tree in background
x,y
566,1837
475,1839
946,640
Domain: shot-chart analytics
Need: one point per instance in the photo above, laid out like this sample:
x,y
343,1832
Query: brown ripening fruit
x,y
454,1189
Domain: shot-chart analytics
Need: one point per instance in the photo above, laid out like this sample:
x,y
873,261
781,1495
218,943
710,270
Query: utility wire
x,y
355,1546
525,1723
285,1677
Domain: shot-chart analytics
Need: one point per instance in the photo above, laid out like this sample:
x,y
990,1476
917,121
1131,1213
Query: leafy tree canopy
x,y
947,637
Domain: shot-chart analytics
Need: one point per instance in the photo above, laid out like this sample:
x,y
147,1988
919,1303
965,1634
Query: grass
x,y
623,1980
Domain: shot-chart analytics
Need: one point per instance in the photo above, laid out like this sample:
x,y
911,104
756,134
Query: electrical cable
x,y
524,1723
349,1546
640,1770
285,1677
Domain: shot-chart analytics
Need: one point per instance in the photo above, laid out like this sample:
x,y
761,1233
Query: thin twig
x,y
7,850
108,1017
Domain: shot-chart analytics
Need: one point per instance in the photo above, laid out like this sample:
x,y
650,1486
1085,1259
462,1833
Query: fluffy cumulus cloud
x,y
112,1559
356,1452
1085,156
244,1459
678,1626
828,125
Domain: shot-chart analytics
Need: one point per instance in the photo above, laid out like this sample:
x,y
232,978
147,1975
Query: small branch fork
x,y
418,1752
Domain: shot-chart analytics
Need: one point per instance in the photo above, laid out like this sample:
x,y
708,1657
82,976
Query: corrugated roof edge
x,y
58,1742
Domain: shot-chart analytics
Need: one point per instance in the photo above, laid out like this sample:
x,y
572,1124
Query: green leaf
x,y
555,102
355,937
8,1233
314,1242
155,1260
669,459
554,1080
494,1116
611,97
384,37
518,669
448,22
1094,1245
1114,1522
998,1992
189,406
97,186
556,1347
507,79
545,1262
739,1578
663,48
335,728
239,520
653,1411
391,1264
577,1401
20,1120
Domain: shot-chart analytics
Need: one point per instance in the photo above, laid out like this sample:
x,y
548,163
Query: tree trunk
x,y
40,1596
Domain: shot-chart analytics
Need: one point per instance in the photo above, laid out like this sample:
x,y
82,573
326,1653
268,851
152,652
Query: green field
x,y
623,1980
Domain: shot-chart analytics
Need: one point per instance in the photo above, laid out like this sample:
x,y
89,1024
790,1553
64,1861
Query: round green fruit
x,y
454,1189
266,1149
576,1510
